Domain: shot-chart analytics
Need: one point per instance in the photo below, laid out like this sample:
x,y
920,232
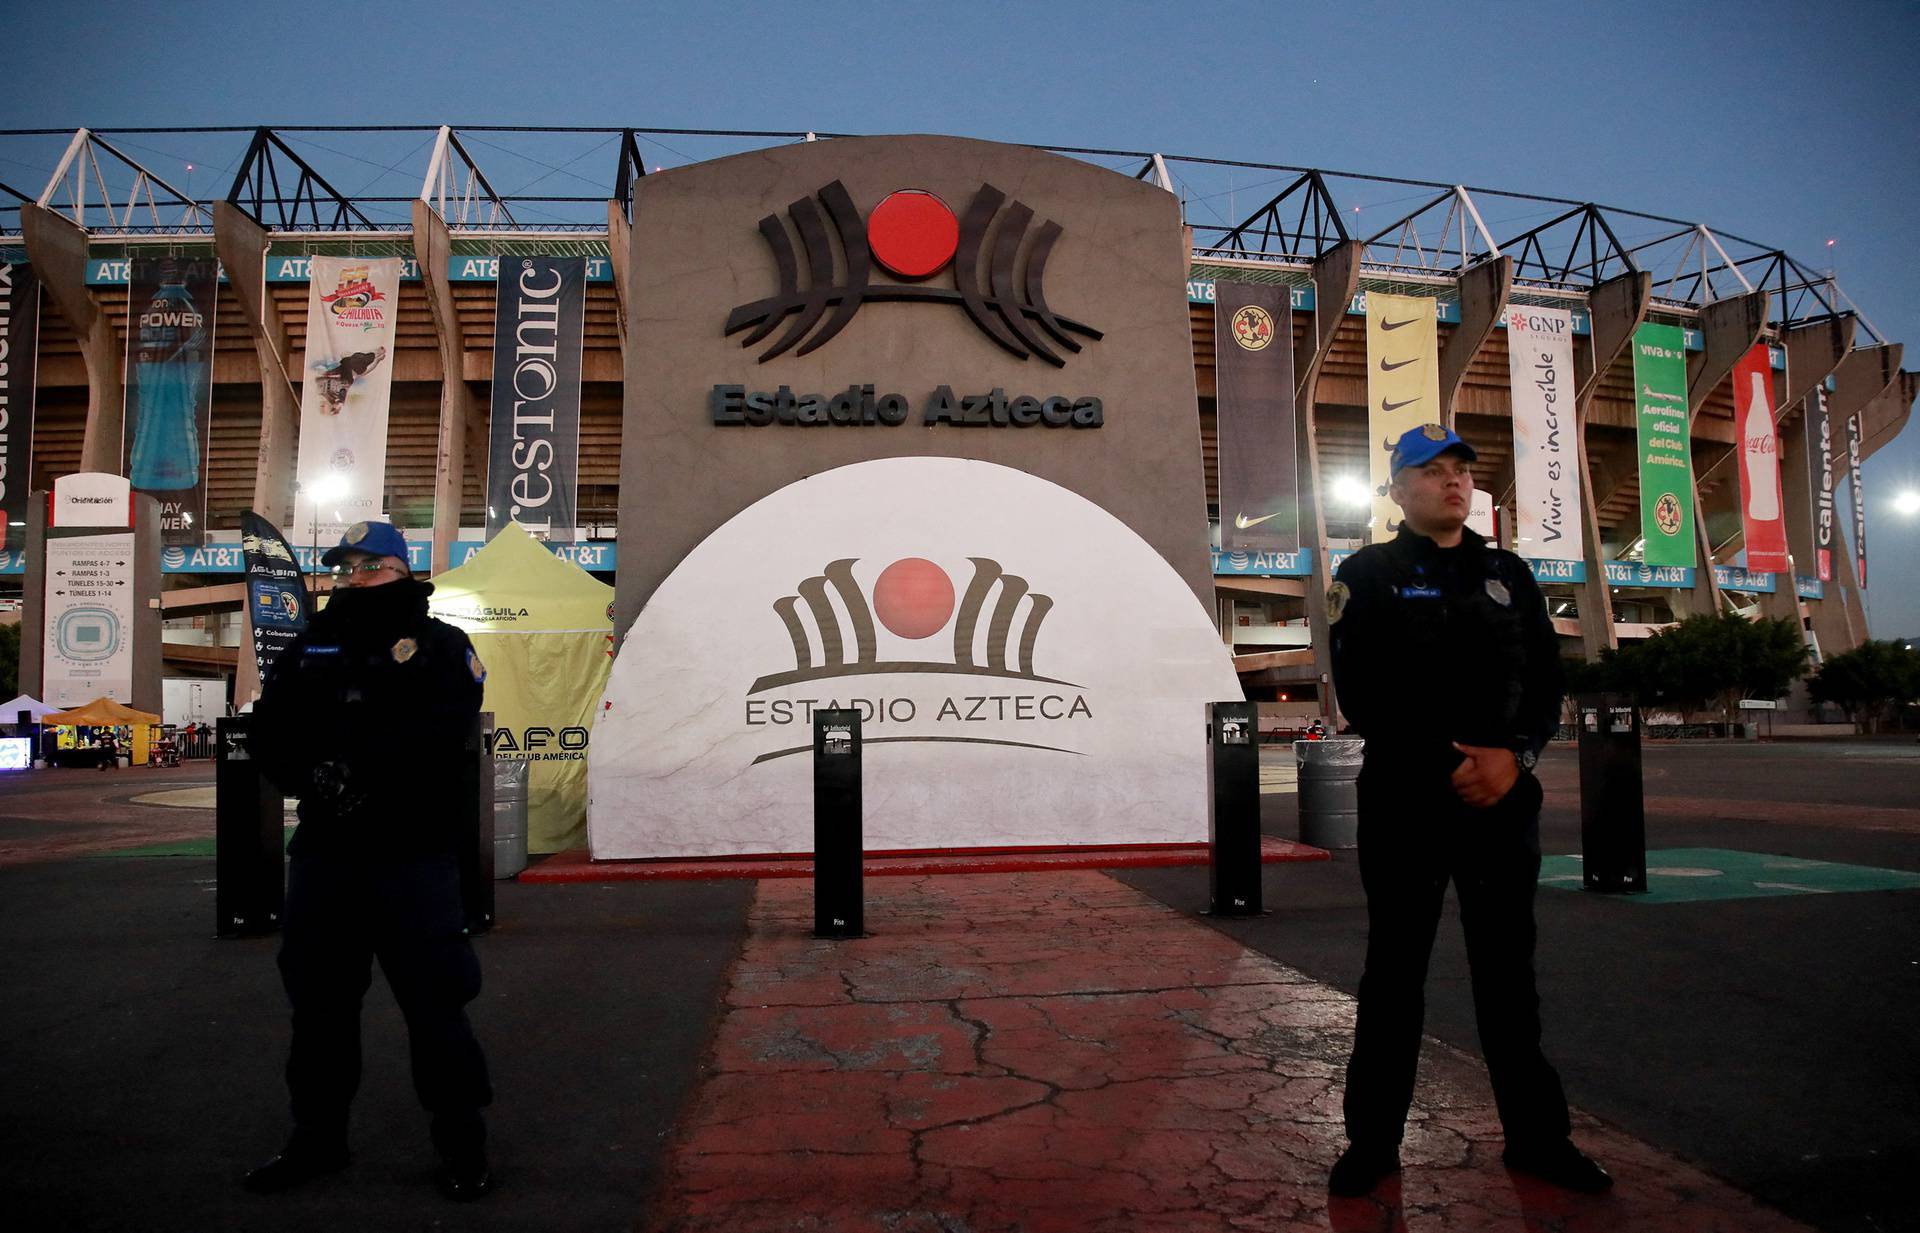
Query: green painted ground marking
x,y
179,847
1696,875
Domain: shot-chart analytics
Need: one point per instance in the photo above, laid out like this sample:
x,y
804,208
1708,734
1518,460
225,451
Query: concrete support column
x,y
1866,373
242,246
57,247
1615,310
1728,330
1813,352
1336,276
431,246
1483,291
620,251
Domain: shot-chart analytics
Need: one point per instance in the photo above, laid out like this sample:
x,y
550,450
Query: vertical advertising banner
x,y
352,303
1761,516
170,388
1403,388
533,454
88,645
19,351
1666,460
1258,442
1819,429
1859,498
1546,455
277,600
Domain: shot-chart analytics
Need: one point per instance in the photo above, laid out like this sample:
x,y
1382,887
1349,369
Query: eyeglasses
x,y
363,568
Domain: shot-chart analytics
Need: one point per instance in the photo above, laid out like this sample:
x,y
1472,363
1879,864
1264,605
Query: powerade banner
x,y
1666,467
1403,388
170,388
1253,372
1546,457
1761,519
533,455
277,602
351,306
19,350
1859,499
1819,429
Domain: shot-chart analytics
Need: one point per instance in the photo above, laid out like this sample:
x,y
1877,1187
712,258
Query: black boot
x,y
461,1136
304,1158
1559,1162
1360,1169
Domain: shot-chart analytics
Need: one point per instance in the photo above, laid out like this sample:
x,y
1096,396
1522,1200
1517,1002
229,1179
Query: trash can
x,y
1613,819
509,817
1329,774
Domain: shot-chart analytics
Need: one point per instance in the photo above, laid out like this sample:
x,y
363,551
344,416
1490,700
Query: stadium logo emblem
x,y
914,236
1666,514
1252,328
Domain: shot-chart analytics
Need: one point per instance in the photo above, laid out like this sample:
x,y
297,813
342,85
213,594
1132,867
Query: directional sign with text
x,y
89,626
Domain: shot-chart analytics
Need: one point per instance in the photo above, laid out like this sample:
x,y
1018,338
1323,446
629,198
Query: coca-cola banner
x,y
1761,518
1859,498
19,349
1253,369
352,304
1819,442
1546,455
533,455
277,601
170,388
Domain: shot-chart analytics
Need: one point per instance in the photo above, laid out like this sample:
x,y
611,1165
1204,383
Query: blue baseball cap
x,y
375,539
1420,446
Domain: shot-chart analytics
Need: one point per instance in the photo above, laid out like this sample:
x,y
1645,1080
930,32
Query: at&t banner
x,y
170,388
19,350
1666,463
1253,372
352,304
533,455
1761,519
1403,388
277,603
1546,455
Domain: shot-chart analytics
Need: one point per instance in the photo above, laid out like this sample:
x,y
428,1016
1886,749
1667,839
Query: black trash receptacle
x,y
1233,814
839,840
1613,820
249,825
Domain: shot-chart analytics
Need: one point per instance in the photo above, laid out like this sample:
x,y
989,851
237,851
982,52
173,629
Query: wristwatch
x,y
1526,758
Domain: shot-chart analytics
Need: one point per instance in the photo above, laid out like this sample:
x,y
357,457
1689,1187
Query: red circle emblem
x,y
913,233
913,597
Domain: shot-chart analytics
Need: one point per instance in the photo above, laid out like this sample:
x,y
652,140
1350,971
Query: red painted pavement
x,y
1054,1052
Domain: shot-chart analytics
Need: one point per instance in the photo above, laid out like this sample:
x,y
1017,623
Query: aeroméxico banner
x,y
1666,461
1253,373
1859,498
1819,445
170,388
19,350
352,304
533,455
1546,457
1764,524
1403,389
277,602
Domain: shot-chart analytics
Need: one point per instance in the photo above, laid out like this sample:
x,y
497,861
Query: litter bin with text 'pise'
x,y
1613,818
1329,785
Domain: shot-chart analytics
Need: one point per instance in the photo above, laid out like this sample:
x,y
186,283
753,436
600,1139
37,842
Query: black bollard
x,y
1613,819
838,908
249,825
474,816
1233,810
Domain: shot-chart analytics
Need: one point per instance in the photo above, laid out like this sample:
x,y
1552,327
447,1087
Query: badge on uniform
x,y
403,650
1433,432
474,666
1337,596
1498,593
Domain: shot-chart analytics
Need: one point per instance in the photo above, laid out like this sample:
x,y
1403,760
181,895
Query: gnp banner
x,y
19,350
1253,371
1859,499
1764,524
1666,463
277,603
351,307
170,388
1546,455
1818,427
1403,388
533,456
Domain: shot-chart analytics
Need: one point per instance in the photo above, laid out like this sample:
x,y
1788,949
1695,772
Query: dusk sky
x,y
1789,124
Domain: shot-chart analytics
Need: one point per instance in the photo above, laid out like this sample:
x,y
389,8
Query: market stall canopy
x,y
10,712
515,585
100,713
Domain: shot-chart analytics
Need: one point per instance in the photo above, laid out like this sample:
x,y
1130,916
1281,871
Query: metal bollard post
x,y
1613,819
474,802
838,843
1233,810
249,849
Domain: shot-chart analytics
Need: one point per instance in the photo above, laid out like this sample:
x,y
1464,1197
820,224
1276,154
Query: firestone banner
x,y
1818,426
1253,369
1764,524
1666,462
1546,455
19,349
533,458
1854,455
352,304
277,601
1403,388
170,388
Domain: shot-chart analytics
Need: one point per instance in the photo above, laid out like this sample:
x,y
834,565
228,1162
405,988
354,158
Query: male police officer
x,y
1444,659
364,719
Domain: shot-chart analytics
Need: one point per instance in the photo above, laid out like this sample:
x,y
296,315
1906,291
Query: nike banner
x,y
1859,498
170,389
352,304
1253,374
1818,426
1666,464
1546,455
1762,519
533,455
1403,389
19,351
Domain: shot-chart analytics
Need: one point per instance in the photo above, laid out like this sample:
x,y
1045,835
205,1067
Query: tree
x,y
1871,680
1703,662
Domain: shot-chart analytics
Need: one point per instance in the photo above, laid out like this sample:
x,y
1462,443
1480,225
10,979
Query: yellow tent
x,y
102,713
544,629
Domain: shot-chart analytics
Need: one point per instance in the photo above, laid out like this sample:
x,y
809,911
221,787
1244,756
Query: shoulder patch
x,y
1337,596
474,666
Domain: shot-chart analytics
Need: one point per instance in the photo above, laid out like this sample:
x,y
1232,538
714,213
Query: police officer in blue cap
x,y
1445,660
364,718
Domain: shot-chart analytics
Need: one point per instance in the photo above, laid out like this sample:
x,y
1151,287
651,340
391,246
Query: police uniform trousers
x,y
341,914
1415,836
